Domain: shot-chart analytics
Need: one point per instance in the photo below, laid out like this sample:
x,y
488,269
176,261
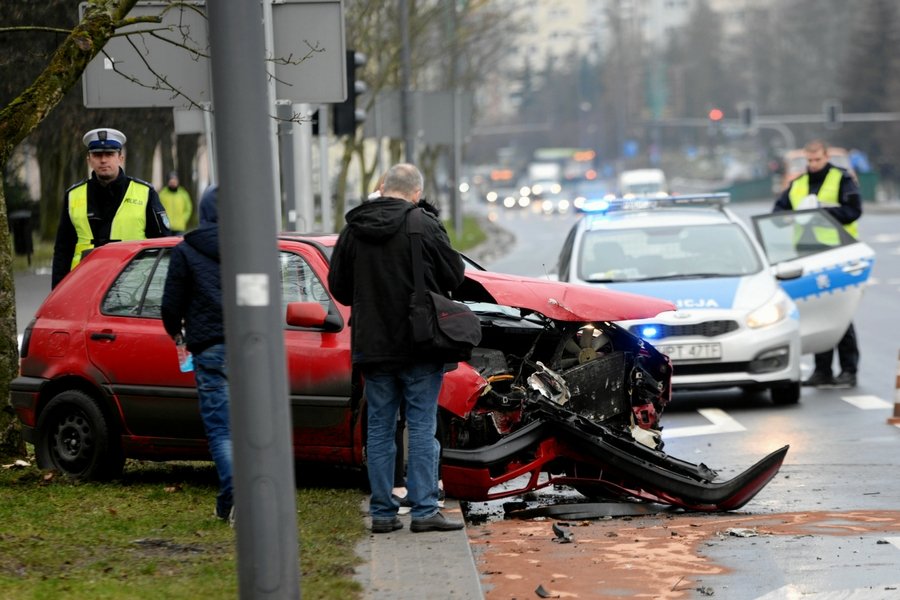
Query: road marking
x,y
795,592
867,402
720,422
894,541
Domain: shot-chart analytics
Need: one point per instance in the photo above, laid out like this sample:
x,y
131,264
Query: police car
x,y
749,303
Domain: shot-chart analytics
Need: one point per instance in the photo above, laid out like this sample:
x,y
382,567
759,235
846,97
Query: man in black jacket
x,y
371,271
192,299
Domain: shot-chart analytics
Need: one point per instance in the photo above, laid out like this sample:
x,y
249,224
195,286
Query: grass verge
x,y
152,534
471,235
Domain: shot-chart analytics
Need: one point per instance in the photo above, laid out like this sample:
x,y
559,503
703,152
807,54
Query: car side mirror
x,y
311,314
785,272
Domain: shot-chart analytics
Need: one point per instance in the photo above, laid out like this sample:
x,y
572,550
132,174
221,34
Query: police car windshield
x,y
671,252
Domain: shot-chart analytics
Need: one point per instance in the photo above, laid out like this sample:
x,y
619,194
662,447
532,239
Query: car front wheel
x,y
788,393
75,439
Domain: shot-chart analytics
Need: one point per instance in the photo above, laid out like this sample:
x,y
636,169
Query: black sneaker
x,y
845,380
435,522
819,379
386,525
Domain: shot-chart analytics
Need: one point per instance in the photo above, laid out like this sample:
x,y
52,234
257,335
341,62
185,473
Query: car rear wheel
x,y
74,437
783,394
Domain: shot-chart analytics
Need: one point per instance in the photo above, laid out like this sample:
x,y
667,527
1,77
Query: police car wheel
x,y
785,394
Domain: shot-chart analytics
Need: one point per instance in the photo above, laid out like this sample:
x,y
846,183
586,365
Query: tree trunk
x,y
17,120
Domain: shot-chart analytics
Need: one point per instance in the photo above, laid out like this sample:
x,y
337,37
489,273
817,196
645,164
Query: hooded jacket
x,y
371,271
193,292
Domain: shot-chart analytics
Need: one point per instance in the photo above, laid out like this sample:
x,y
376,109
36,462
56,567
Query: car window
x,y
789,235
138,290
299,283
657,252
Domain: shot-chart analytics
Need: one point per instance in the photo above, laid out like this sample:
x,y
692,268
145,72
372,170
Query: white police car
x,y
748,306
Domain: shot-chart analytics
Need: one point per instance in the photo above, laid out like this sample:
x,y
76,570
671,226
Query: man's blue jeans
x,y
212,388
418,387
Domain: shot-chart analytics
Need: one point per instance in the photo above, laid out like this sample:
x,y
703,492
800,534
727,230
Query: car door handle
x,y
103,335
856,267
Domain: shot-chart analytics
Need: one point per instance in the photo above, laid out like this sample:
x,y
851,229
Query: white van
x,y
643,182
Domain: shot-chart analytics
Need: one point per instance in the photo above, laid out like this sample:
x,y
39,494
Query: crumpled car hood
x,y
557,300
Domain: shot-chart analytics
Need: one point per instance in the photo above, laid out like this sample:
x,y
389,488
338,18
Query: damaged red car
x,y
556,393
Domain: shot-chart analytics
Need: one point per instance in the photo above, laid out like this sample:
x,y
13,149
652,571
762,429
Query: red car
x,y
556,391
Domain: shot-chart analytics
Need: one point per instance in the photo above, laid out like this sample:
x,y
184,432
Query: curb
x,y
410,566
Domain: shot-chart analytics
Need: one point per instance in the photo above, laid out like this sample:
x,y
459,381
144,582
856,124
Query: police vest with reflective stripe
x,y
129,223
829,193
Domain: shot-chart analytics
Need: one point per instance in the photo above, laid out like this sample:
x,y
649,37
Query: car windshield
x,y
676,252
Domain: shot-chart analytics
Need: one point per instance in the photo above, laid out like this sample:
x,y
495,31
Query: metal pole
x,y
284,110
210,141
785,131
455,194
272,96
303,172
409,135
324,182
264,488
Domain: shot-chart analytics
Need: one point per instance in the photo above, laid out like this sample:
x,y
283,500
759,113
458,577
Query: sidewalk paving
x,y
409,566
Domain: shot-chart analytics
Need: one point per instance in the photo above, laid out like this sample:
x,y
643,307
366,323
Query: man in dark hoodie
x,y
834,189
371,271
192,299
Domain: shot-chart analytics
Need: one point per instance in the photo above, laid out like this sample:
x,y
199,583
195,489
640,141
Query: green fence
x,y
762,188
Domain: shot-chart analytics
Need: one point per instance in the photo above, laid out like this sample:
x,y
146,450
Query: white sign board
x,y
167,64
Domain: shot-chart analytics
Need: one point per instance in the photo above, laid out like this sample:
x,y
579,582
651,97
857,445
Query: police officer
x,y
834,189
177,202
107,207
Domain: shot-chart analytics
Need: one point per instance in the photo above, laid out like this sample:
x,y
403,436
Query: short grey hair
x,y
403,180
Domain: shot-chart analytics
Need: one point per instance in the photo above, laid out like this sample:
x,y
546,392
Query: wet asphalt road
x,y
835,504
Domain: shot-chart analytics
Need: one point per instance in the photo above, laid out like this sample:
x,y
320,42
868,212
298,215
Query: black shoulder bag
x,y
442,329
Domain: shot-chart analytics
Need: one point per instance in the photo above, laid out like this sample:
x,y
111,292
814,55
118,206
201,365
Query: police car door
x,y
821,266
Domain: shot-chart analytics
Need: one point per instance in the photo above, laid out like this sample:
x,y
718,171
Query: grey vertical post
x,y
303,169
269,33
210,141
265,492
325,182
285,112
455,194
406,108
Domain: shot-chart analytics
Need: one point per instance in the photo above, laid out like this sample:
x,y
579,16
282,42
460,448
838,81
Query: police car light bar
x,y
612,203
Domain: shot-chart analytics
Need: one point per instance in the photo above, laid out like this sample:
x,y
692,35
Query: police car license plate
x,y
679,352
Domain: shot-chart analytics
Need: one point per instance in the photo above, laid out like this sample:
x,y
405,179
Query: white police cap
x,y
104,140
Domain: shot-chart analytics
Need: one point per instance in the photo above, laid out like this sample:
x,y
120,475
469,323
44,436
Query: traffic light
x,y
748,115
833,112
716,114
347,117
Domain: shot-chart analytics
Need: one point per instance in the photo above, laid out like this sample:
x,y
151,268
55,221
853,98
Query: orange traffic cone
x,y
895,420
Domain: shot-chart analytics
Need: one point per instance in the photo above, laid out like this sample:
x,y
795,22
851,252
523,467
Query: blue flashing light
x,y
635,203
596,206
649,332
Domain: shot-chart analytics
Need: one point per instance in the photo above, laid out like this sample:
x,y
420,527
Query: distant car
x,y
506,197
745,312
642,182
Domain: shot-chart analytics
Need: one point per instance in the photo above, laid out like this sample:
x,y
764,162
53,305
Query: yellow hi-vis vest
x,y
828,194
129,223
178,206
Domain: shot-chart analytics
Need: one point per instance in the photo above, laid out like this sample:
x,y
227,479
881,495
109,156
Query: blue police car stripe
x,y
703,293
826,281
